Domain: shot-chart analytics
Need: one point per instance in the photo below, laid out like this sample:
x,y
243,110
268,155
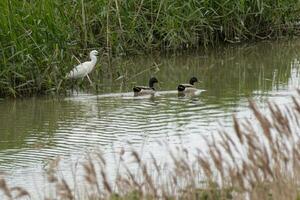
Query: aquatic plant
x,y
39,38
260,159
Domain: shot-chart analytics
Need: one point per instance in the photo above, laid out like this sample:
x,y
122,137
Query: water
x,y
35,130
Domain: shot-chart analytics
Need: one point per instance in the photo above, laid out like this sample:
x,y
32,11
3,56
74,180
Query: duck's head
x,y
152,81
193,80
94,53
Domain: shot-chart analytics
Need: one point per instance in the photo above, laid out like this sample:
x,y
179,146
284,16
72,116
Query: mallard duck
x,y
186,88
140,90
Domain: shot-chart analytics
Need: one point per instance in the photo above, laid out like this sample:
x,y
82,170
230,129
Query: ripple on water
x,y
70,127
86,121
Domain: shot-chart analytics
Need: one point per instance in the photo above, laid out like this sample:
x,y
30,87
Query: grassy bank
x,y
38,38
258,159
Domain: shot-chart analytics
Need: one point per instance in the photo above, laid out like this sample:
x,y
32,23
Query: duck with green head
x,y
188,87
142,90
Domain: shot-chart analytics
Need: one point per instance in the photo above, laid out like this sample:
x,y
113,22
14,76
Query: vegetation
x,y
259,160
39,38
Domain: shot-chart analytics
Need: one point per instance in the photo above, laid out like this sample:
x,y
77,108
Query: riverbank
x,y
40,40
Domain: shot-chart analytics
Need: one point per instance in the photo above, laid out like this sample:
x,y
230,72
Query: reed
x,y
39,38
259,159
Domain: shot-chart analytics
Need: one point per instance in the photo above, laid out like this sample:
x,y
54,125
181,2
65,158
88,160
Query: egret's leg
x,y
89,79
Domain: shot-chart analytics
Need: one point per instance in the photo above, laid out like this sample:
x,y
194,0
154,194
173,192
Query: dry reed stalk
x,y
106,184
5,188
91,175
83,16
101,158
205,166
131,179
21,192
51,171
64,191
149,181
118,13
237,129
264,122
258,164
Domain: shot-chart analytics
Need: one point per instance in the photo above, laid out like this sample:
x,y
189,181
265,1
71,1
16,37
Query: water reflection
x,y
34,130
227,72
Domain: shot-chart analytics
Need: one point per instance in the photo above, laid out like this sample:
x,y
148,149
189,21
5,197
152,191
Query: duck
x,y
188,87
143,90
83,69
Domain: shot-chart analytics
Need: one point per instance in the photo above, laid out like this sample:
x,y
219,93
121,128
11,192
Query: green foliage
x,y
214,192
37,38
133,195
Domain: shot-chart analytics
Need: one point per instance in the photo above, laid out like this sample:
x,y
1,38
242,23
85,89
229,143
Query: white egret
x,y
83,69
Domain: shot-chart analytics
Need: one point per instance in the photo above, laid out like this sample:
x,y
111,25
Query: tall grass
x,y
260,159
38,38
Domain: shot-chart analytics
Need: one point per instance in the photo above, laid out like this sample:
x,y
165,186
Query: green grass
x,y
38,38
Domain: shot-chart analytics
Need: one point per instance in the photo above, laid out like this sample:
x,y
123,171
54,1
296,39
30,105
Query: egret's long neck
x,y
93,59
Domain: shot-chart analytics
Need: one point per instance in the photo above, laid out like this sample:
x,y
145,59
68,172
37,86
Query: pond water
x,y
35,130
